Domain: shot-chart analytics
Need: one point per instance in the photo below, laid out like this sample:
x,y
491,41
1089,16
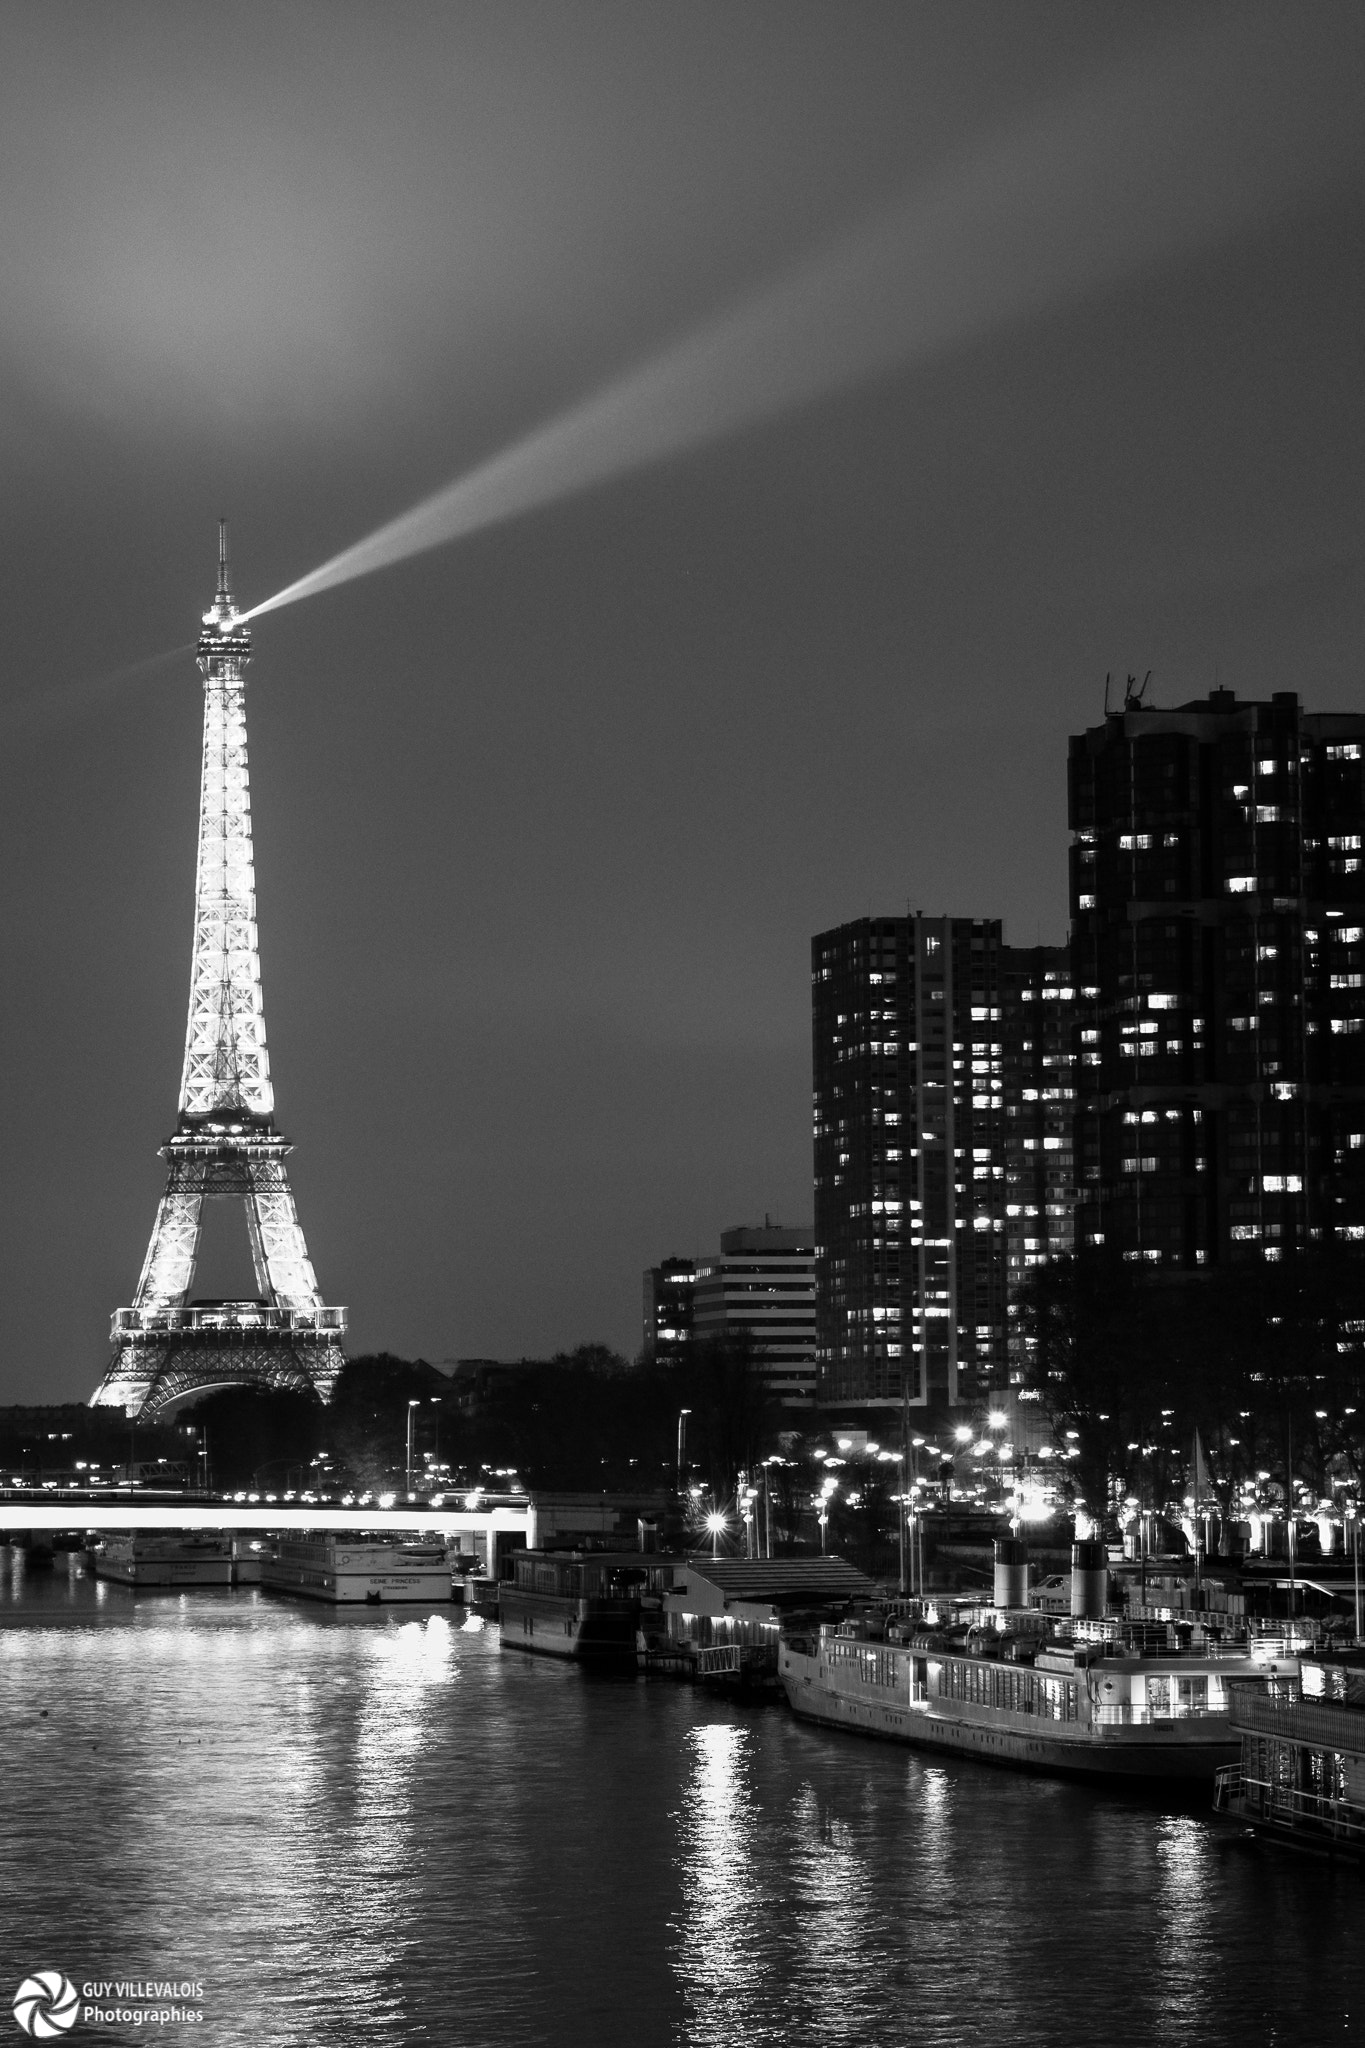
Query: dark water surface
x,y
380,1827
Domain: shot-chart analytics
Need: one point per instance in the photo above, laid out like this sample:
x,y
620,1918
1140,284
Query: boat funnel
x,y
1089,1580
1011,1573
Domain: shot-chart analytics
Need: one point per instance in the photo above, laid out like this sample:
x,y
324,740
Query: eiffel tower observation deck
x,y
226,1144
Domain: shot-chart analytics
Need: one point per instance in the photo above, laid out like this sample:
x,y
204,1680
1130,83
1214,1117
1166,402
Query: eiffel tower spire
x,y
226,1064
226,1143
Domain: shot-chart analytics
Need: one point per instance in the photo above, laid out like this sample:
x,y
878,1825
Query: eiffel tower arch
x,y
225,1145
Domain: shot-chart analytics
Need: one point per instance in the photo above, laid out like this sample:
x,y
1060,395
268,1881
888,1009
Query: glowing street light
x,y
411,1406
715,1522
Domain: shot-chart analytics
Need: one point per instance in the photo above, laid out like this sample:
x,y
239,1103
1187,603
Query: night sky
x,y
545,819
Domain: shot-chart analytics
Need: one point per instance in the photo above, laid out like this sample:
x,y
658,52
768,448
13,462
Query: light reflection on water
x,y
380,1827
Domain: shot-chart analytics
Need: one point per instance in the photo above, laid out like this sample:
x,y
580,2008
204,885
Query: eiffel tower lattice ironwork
x,y
225,1143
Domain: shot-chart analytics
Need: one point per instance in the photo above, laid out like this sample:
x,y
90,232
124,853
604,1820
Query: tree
x,y
732,1411
1093,1349
261,1439
367,1420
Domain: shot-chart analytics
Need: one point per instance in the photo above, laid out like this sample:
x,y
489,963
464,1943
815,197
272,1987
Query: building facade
x,y
1218,946
1039,1030
669,1289
763,1282
910,1161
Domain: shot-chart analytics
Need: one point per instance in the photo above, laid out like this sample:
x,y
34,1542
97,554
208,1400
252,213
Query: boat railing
x,y
1229,1783
1287,1806
1328,1723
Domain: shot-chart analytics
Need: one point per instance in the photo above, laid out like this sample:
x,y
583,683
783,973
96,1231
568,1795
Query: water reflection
x,y
831,1911
722,1892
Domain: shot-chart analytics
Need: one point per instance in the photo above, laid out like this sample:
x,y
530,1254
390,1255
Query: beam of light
x,y
1161,153
43,708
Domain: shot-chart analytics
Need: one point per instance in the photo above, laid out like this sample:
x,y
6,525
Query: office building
x,y
669,1289
763,1282
1218,947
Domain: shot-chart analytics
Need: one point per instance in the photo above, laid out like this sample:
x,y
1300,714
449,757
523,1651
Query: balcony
x,y
246,1318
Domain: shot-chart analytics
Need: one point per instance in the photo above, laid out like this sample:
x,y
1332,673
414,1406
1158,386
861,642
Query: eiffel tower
x,y
226,1143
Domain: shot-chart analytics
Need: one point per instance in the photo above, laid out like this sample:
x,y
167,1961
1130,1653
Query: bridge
x,y
482,1529
497,1519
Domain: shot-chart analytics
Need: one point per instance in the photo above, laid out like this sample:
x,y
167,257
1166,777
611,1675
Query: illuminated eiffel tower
x,y
225,1143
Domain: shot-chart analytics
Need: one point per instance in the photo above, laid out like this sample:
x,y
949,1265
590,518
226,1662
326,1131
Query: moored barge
x,y
581,1604
347,1571
163,1558
1300,1777
1088,1708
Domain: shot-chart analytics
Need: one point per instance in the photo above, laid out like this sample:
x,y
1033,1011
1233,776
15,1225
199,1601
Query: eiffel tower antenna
x,y
225,1144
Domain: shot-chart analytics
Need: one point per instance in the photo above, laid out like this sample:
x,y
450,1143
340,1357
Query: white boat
x,y
1078,1707
356,1570
163,1558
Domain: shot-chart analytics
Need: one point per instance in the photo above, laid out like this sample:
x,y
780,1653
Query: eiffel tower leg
x,y
277,1240
169,1265
167,1272
323,1363
132,1377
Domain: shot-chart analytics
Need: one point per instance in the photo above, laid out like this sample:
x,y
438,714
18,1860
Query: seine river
x,y
379,1827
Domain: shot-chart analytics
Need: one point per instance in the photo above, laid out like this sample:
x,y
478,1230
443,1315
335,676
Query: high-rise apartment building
x,y
763,1282
1038,1029
910,1161
1218,947
669,1288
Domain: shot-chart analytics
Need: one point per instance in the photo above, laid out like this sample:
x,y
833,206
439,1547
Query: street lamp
x,y
766,1470
715,1522
827,1491
131,1412
917,1527
411,1406
898,1458
683,1414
